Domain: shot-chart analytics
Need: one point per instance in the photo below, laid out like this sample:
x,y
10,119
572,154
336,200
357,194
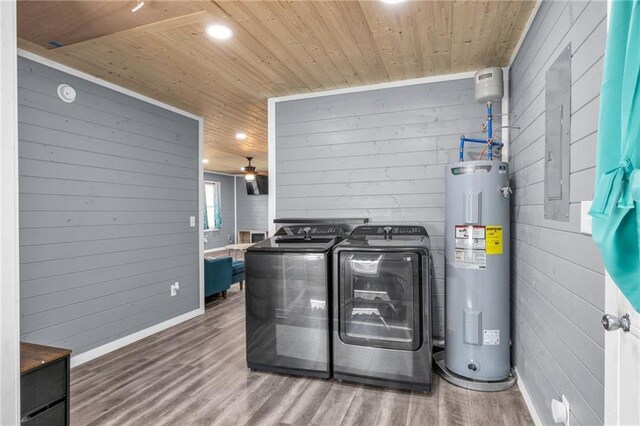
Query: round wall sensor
x,y
66,93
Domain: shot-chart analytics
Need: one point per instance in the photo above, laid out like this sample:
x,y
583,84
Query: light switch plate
x,y
585,219
192,221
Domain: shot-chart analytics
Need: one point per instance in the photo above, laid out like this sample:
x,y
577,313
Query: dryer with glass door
x,y
382,307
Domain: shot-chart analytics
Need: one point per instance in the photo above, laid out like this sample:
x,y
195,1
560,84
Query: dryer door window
x,y
379,299
286,310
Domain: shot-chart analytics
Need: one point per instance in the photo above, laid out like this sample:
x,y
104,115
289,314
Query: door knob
x,y
612,322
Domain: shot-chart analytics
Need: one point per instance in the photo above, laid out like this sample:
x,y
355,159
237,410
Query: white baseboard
x,y
211,250
127,340
527,400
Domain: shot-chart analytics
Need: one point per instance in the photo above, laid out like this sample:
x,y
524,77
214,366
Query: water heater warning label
x,y
469,259
469,231
471,247
494,239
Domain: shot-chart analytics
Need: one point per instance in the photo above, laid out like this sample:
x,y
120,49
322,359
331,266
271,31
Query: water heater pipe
x,y
488,141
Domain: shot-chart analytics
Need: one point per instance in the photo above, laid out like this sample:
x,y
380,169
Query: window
x,y
379,299
212,213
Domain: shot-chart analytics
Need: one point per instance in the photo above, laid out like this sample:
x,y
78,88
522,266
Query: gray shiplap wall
x,y
253,210
107,186
220,238
378,154
557,273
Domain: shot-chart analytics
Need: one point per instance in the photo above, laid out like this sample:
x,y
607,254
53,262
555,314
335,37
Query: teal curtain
x,y
217,207
212,209
205,216
616,205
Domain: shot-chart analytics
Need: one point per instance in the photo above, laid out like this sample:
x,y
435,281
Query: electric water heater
x,y
477,328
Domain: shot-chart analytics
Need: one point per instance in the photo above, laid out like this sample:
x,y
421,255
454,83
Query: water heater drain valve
x,y
506,191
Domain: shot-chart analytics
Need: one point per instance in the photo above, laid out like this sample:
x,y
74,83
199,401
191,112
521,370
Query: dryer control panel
x,y
389,230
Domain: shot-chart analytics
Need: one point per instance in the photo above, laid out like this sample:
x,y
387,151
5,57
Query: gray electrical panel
x,y
557,138
477,293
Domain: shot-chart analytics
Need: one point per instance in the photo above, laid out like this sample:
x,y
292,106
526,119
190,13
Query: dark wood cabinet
x,y
44,385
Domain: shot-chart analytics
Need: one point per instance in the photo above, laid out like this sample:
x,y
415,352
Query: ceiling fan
x,y
249,171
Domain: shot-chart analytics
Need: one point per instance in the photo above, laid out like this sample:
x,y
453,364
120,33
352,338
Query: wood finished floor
x,y
195,373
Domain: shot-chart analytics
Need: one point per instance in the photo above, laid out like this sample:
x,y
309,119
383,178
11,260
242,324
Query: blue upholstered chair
x,y
217,275
238,272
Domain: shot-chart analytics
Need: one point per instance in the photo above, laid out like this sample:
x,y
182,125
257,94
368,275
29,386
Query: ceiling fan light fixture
x,y
241,136
249,171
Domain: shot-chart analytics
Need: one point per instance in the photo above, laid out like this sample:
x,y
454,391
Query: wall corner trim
x,y
235,210
131,338
271,155
506,114
9,221
527,400
200,212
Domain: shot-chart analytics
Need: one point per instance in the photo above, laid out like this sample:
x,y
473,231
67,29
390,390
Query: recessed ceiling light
x,y
241,135
205,161
219,31
392,1
242,169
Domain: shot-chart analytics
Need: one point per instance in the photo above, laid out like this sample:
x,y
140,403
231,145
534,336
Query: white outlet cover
x,y
174,291
565,401
560,411
585,219
192,221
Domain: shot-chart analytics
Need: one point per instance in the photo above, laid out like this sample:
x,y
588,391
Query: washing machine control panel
x,y
389,230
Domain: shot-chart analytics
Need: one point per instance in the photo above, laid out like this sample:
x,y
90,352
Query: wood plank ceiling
x,y
278,48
